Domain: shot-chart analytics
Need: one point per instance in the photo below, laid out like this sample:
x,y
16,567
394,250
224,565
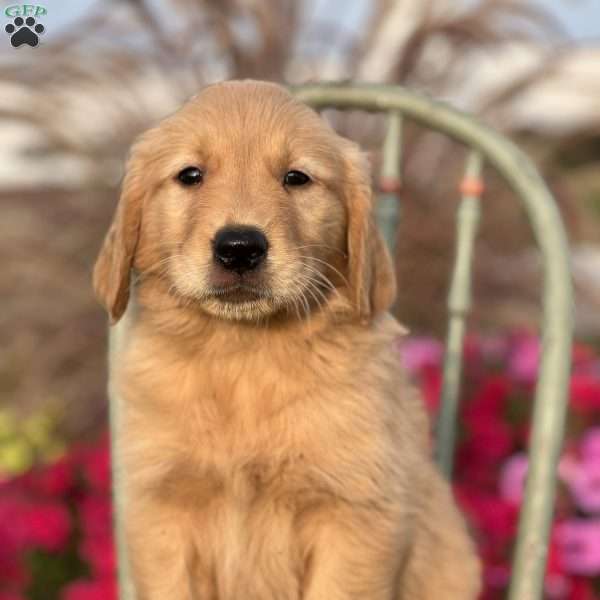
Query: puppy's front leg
x,y
352,556
159,553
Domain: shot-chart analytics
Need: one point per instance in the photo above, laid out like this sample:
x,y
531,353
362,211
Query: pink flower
x,y
578,541
590,445
417,353
524,360
91,590
582,473
512,478
585,487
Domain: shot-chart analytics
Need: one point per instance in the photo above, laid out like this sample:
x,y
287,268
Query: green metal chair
x,y
486,146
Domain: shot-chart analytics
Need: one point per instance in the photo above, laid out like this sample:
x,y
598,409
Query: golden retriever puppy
x,y
272,448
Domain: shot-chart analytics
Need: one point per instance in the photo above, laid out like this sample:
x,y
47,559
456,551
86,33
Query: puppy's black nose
x,y
240,249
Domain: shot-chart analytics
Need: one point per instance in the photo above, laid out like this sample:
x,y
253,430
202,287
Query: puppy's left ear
x,y
371,272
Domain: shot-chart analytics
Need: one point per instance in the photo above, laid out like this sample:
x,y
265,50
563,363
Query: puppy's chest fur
x,y
239,456
249,426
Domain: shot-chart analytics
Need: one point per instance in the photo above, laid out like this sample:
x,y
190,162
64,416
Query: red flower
x,y
557,583
496,576
431,387
95,512
53,480
27,524
11,596
585,393
581,589
490,440
12,570
99,553
472,351
494,518
96,466
48,526
583,356
489,402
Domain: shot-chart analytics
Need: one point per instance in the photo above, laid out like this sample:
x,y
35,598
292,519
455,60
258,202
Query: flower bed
x,y
491,459
55,519
55,527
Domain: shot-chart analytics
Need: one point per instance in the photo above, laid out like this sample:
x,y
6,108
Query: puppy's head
x,y
245,204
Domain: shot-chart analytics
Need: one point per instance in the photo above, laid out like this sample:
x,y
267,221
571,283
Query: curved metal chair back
x,y
551,391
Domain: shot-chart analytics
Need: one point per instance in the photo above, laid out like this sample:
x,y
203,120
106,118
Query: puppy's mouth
x,y
240,301
239,293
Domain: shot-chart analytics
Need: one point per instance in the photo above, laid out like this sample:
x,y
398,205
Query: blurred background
x,y
105,71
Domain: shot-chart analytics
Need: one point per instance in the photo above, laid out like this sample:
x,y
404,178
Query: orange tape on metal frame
x,y
472,186
390,185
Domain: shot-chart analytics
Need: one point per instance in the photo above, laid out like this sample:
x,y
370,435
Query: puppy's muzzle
x,y
240,249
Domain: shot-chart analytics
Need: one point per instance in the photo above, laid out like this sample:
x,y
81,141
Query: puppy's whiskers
x,y
158,269
328,265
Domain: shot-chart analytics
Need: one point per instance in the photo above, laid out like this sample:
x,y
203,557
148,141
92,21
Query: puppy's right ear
x,y
113,265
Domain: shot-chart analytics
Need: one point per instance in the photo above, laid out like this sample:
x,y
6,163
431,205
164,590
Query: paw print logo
x,y
24,32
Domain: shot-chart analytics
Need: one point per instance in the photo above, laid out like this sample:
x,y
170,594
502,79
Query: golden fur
x,y
272,448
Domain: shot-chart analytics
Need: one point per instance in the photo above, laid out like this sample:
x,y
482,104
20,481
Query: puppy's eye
x,y
296,178
190,176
